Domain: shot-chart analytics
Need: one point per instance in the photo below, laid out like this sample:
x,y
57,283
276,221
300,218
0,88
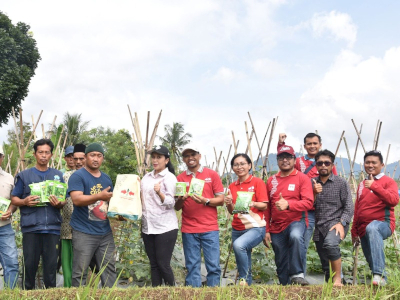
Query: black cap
x,y
160,150
79,148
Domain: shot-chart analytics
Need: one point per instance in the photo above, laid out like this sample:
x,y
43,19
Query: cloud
x,y
226,75
267,67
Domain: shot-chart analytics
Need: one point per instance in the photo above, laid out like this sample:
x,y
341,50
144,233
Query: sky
x,y
313,65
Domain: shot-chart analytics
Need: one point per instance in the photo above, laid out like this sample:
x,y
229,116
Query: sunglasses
x,y
321,163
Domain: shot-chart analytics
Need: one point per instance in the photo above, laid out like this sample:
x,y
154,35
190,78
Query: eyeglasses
x,y
239,165
287,157
321,163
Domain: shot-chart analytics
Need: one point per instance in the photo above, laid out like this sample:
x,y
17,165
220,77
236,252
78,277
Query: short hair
x,y
311,135
374,153
245,156
325,152
42,142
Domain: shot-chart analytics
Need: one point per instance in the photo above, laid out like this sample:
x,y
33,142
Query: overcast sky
x,y
315,64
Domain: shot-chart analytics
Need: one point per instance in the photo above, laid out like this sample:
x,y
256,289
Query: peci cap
x,y
94,147
160,150
79,148
191,147
69,150
286,149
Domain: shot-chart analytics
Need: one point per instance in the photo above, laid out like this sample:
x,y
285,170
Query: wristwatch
x,y
343,223
207,202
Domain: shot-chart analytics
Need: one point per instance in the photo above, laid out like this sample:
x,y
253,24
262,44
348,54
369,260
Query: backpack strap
x,y
310,167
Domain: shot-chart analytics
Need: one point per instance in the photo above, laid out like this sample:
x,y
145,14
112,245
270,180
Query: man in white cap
x,y
199,220
8,248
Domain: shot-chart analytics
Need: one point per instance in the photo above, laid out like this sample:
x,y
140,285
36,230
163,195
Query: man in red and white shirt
x,y
374,219
200,220
306,165
291,196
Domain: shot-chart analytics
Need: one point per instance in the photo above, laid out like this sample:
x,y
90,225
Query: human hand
x,y
267,240
199,199
282,137
355,240
339,230
157,187
31,201
281,204
54,201
105,194
228,198
369,182
317,187
7,215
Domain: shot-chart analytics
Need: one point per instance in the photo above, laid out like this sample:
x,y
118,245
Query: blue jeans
x,y
372,245
243,242
308,234
192,245
9,256
289,251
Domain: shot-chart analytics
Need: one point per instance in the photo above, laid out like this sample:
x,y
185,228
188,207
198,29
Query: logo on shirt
x,y
251,189
291,187
56,177
96,189
208,179
274,183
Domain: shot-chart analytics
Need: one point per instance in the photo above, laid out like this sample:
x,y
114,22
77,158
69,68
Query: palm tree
x,y
175,139
74,126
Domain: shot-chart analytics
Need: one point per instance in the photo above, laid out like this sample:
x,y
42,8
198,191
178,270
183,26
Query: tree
x,y
74,126
19,57
175,139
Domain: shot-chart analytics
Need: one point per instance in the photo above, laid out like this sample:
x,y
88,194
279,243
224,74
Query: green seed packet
x,y
60,190
49,188
180,189
196,187
4,205
39,189
243,202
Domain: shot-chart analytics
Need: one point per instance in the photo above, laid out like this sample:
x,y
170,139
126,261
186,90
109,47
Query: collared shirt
x,y
66,212
333,205
6,186
158,217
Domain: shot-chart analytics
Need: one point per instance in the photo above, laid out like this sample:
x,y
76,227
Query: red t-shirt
x,y
297,190
255,218
376,203
198,218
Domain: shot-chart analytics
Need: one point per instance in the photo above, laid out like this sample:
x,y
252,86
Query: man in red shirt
x,y
200,220
291,196
306,165
374,219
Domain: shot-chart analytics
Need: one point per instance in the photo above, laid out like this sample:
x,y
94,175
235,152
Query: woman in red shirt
x,y
248,226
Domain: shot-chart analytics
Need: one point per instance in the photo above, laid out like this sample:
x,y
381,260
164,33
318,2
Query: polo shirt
x,y
198,218
255,218
297,189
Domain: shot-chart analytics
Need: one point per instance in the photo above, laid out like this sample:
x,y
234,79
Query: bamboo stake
x,y
153,137
140,136
356,248
16,132
351,167
251,138
139,144
262,145
57,147
255,135
219,160
139,167
60,156
341,161
205,157
376,133
33,131
234,142
8,167
377,137
147,129
22,156
249,146
227,158
386,160
269,144
341,138
216,159
358,141
395,168
33,124
44,134
358,134
52,126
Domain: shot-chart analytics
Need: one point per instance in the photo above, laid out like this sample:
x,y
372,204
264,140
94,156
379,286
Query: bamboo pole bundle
x,y
358,134
340,140
61,150
358,141
249,145
57,147
262,144
274,121
386,160
351,167
378,135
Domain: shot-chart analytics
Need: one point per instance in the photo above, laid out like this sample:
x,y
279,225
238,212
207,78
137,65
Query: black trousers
x,y
328,249
35,245
159,248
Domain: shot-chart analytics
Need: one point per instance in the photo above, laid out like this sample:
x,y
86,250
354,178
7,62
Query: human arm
x,y
180,202
17,193
79,199
218,200
306,196
165,190
228,199
387,193
281,141
7,215
260,198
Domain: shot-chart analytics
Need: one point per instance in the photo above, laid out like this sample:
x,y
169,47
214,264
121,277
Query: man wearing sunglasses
x,y
374,219
333,212
291,196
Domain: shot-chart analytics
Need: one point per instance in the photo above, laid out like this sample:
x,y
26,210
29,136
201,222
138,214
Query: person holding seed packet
x,y
204,192
8,248
290,196
40,215
159,221
247,199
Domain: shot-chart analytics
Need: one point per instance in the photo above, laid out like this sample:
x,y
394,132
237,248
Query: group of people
x,y
304,199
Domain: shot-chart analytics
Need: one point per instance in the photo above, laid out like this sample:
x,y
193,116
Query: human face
x,y
43,155
94,160
159,162
79,160
69,159
324,171
191,159
286,162
312,146
241,167
373,165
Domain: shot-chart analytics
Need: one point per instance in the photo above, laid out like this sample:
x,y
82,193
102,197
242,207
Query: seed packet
x,y
60,190
180,189
39,189
196,187
243,202
4,205
49,188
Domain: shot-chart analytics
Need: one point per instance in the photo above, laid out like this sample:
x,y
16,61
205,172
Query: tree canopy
x,y
19,57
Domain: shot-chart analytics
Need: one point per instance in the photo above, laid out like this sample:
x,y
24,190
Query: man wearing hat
x,y
69,159
66,230
90,191
40,225
200,220
291,195
8,248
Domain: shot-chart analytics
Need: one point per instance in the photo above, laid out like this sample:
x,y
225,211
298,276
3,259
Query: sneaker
x,y
300,281
378,280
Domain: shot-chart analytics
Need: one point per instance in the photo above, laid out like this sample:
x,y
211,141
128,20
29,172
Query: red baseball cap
x,y
286,149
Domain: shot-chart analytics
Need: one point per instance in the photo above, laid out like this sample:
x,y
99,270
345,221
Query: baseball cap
x,y
191,147
160,150
286,149
69,150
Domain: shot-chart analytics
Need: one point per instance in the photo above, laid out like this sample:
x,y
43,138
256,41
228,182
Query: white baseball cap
x,y
191,147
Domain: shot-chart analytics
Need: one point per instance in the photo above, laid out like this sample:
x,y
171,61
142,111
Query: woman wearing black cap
x,y
159,222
